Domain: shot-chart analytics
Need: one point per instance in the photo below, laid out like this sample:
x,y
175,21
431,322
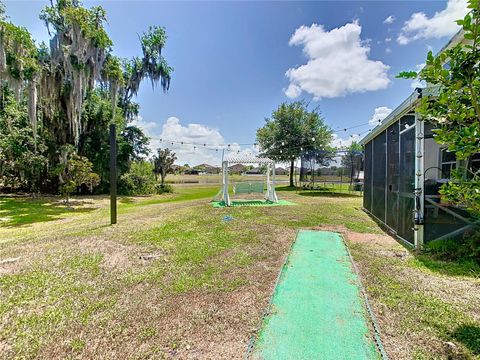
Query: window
x,y
448,163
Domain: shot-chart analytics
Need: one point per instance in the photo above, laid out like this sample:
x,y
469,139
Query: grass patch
x,y
81,286
41,301
196,251
461,267
425,317
186,193
25,211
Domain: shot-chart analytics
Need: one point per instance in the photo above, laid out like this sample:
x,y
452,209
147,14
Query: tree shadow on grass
x,y
285,188
327,193
126,200
469,335
24,211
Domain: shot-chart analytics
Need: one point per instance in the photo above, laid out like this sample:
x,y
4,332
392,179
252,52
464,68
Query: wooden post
x,y
113,174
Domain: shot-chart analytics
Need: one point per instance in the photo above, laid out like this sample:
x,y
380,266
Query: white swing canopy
x,y
243,188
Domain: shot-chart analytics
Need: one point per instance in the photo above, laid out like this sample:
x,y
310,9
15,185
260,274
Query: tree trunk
x,y
292,170
162,175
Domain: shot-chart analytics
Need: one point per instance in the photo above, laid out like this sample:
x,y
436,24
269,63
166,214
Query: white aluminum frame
x,y
270,194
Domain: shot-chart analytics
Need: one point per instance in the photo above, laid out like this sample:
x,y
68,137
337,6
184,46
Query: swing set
x,y
248,187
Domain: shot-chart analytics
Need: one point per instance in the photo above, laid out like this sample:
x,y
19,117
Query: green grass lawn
x,y
173,279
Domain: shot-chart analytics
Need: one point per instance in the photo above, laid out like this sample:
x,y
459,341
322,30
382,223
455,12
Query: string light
x,y
216,147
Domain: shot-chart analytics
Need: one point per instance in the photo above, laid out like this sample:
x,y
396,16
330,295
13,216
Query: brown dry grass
x,y
422,313
173,280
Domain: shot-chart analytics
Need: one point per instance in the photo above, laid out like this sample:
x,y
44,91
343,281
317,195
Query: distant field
x,y
217,179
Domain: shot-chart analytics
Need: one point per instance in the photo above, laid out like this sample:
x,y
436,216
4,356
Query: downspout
x,y
419,208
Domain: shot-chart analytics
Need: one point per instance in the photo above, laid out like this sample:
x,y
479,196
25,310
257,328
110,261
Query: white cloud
x,y
293,91
379,114
193,136
419,67
389,20
146,126
388,50
337,65
388,39
340,142
417,84
441,24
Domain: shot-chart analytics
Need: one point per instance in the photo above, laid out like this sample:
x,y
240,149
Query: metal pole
x,y
113,174
419,182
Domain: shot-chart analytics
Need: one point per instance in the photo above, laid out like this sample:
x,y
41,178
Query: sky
x,y
235,62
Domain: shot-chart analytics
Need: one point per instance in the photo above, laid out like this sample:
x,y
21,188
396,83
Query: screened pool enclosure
x,y
404,168
320,169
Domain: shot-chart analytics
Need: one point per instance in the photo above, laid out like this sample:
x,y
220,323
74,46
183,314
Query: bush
x,y
138,180
165,188
467,248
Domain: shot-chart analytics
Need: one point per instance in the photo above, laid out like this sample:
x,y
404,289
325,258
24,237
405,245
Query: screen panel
x,y
407,185
367,186
393,175
379,176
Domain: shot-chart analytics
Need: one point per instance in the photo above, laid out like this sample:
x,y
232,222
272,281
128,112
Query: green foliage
x,y
163,162
153,65
352,159
456,110
112,69
292,130
163,188
22,157
139,179
68,94
464,190
90,22
75,172
20,51
466,249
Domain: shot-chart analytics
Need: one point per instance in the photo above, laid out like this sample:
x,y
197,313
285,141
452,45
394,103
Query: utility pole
x,y
113,174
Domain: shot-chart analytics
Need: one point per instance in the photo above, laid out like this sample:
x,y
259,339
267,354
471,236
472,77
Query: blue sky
x,y
231,59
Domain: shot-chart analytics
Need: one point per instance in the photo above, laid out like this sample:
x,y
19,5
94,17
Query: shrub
x,y
466,248
165,188
138,180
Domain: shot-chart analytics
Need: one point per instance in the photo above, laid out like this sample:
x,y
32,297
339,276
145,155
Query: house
x,y
189,171
207,169
281,171
237,169
176,169
404,168
254,171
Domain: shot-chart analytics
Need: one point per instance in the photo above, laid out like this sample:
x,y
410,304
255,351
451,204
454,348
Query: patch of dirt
x,y
115,255
9,266
362,238
147,322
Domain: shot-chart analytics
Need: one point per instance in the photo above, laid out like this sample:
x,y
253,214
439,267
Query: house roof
x,y
408,105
